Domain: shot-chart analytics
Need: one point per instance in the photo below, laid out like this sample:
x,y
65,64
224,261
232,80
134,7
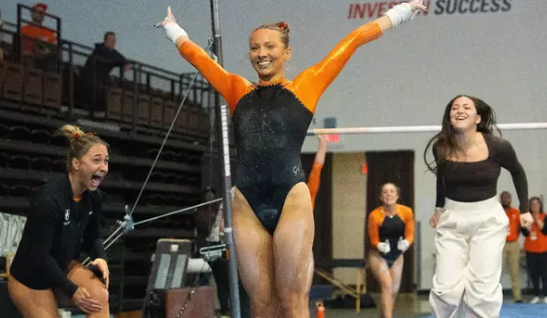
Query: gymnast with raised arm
x,y
272,210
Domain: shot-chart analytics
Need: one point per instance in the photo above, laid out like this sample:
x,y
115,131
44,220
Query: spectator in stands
x,y
535,246
64,219
38,42
391,232
511,250
96,72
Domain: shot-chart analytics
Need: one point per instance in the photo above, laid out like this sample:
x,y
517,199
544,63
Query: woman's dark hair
x,y
445,144
540,203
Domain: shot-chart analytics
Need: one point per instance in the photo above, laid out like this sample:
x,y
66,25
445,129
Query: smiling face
x,y
91,168
463,115
389,195
268,53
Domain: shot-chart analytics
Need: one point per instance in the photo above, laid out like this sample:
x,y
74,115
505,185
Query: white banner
x,y
11,231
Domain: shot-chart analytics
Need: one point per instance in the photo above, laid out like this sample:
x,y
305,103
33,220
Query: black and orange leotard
x,y
270,121
382,227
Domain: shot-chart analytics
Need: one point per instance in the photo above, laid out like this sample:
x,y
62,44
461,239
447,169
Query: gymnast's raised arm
x,y
232,87
310,84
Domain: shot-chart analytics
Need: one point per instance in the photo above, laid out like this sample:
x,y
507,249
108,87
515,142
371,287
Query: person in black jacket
x,y
96,72
63,221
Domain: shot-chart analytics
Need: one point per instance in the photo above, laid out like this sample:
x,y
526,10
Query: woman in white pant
x,y
470,223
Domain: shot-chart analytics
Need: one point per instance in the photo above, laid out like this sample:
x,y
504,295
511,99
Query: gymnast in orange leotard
x,y
391,232
272,213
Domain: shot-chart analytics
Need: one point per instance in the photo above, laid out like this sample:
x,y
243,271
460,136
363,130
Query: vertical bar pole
x,y
224,151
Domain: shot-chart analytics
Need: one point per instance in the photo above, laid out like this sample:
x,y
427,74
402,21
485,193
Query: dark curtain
x,y
322,245
396,167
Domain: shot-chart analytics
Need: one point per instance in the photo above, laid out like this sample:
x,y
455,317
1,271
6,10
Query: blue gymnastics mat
x,y
520,311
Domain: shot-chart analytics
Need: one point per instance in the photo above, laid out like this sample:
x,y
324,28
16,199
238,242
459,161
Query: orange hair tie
x,y
283,26
77,135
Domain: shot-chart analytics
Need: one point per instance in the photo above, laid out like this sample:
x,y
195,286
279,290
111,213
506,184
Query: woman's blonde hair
x,y
80,142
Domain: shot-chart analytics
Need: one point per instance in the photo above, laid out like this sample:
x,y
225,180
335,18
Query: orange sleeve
x,y
232,87
52,38
374,223
409,224
314,180
310,84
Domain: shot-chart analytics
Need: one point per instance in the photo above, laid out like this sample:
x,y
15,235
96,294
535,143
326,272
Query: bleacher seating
x,y
34,103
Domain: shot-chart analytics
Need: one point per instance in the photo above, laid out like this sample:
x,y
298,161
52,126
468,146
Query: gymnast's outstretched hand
x,y
417,5
404,12
173,31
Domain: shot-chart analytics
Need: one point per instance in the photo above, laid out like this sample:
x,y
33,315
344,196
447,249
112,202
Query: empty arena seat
x,y
183,179
156,199
171,200
171,178
58,165
19,133
117,199
156,112
20,162
53,90
4,189
13,85
152,153
143,110
114,104
58,140
204,128
191,179
4,160
169,111
168,155
40,136
193,120
33,86
3,131
194,159
157,176
181,157
128,105
3,67
20,191
41,164
182,120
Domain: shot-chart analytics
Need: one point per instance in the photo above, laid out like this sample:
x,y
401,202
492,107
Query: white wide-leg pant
x,y
469,248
